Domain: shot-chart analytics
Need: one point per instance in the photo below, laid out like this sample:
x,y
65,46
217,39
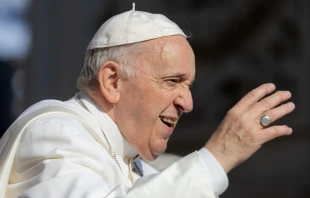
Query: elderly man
x,y
135,85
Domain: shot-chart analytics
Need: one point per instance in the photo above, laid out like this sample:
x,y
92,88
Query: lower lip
x,y
169,129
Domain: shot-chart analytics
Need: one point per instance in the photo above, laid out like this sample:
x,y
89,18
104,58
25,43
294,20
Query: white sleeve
x,y
57,157
217,176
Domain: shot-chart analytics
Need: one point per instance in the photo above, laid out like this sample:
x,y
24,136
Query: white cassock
x,y
62,153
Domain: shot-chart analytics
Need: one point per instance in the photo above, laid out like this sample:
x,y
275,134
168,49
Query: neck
x,y
97,97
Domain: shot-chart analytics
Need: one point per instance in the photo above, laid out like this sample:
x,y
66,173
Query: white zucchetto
x,y
131,27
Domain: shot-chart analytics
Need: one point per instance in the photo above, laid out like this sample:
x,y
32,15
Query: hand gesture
x,y
241,133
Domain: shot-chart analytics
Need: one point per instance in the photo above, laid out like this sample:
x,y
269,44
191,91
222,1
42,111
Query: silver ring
x,y
264,120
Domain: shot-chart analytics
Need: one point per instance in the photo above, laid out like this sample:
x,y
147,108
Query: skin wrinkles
x,y
164,73
161,75
147,107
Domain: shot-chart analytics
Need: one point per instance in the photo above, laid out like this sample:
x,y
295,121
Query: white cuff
x,y
218,178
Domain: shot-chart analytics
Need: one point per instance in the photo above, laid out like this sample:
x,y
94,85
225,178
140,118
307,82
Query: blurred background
x,y
238,44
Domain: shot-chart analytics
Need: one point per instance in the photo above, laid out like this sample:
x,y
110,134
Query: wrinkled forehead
x,y
167,44
168,54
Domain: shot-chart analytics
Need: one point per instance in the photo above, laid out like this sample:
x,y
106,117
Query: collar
x,y
115,137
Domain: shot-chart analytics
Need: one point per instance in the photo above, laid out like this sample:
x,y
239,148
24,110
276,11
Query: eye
x,y
172,81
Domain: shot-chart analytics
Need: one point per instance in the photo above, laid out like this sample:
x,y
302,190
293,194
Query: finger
x,y
273,132
272,101
279,112
255,95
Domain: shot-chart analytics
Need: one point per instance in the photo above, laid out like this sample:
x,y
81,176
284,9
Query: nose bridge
x,y
185,99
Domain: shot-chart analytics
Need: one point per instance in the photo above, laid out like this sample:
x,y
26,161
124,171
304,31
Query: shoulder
x,y
55,125
45,103
58,138
55,130
55,115
55,122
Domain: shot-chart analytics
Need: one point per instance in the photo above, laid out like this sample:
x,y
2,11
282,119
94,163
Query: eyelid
x,y
174,79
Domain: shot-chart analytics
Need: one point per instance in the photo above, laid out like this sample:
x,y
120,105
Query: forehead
x,y
168,56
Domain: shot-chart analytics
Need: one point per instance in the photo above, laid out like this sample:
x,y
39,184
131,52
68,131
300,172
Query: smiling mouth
x,y
167,121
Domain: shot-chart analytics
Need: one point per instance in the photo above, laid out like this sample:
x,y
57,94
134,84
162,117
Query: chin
x,y
148,156
155,149
152,155
159,148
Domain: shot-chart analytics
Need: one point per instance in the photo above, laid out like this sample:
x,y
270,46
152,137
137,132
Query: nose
x,y
184,100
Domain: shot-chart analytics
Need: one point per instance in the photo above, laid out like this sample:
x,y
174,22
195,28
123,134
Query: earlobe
x,y
108,78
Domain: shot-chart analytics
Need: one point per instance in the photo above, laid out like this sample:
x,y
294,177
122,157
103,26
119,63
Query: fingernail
x,y
272,86
291,105
290,130
287,93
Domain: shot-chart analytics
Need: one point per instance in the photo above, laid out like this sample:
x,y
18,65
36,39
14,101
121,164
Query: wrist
x,y
220,157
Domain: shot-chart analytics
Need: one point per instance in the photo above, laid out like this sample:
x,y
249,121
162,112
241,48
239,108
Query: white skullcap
x,y
131,27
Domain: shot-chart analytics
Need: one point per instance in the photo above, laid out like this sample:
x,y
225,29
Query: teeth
x,y
168,120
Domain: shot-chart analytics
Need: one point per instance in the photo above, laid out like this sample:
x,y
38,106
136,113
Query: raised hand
x,y
241,134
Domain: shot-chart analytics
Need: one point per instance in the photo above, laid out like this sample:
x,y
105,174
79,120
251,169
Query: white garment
x,y
60,156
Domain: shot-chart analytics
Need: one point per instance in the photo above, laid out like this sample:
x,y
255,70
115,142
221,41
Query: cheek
x,y
141,125
158,139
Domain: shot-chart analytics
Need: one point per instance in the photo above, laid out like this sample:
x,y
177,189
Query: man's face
x,y
152,101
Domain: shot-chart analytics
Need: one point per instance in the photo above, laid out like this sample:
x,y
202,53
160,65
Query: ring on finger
x,y
264,120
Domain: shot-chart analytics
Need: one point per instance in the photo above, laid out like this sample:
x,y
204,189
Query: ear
x,y
108,78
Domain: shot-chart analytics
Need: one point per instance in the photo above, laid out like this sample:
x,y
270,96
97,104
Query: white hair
x,y
95,58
